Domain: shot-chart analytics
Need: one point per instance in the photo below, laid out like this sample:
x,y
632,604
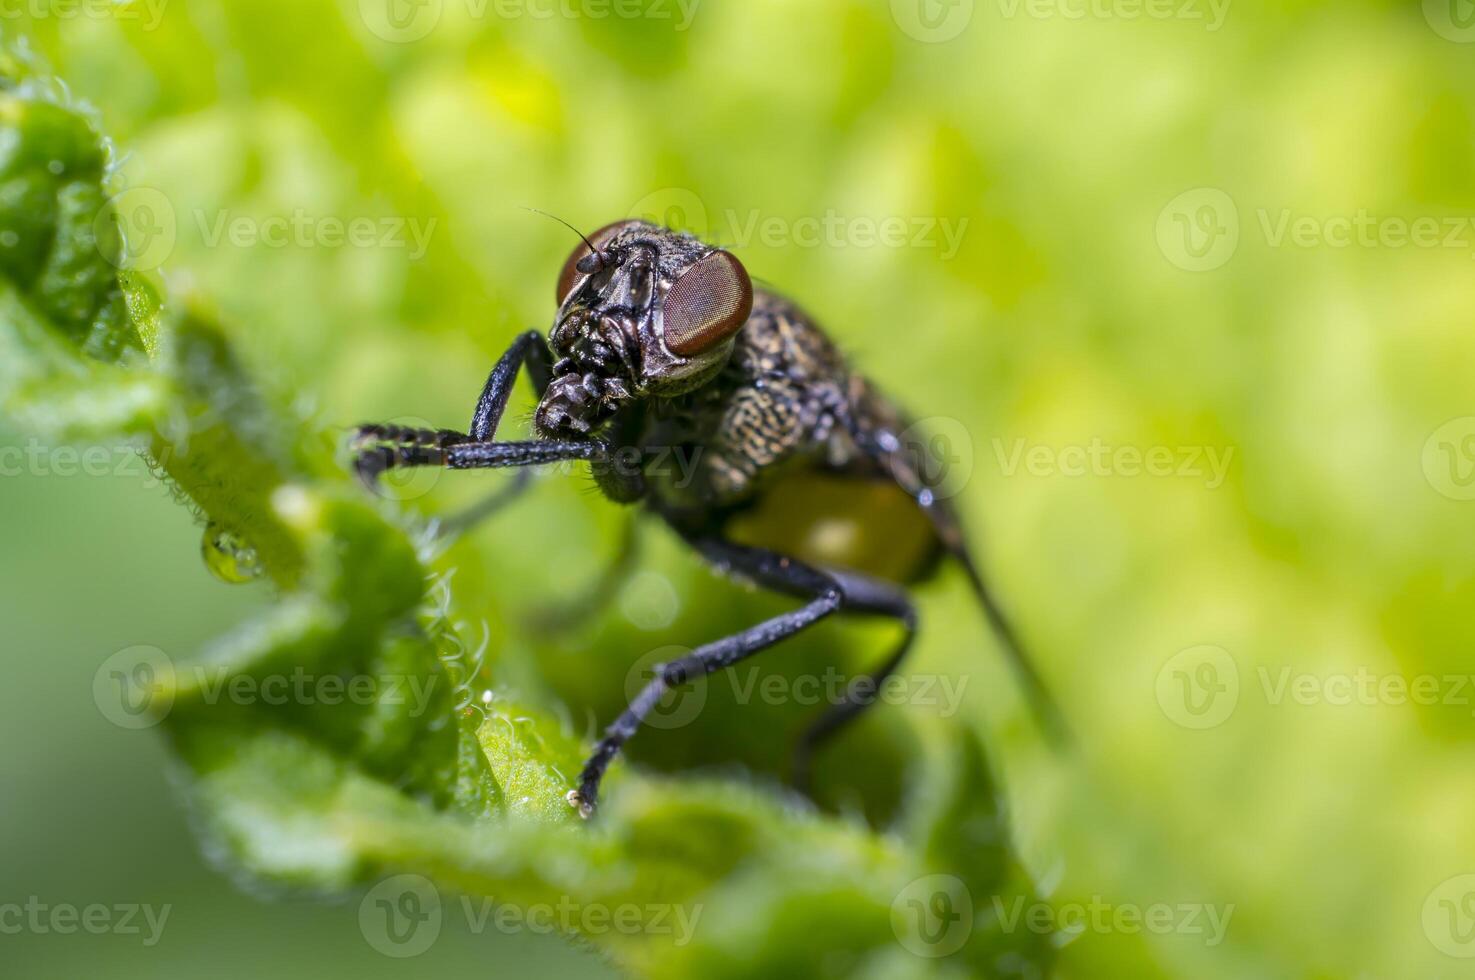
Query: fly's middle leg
x,y
826,593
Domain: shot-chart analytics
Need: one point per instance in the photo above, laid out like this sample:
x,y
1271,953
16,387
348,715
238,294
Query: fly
x,y
661,348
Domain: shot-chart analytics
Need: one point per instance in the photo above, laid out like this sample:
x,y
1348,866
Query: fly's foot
x,y
578,802
377,448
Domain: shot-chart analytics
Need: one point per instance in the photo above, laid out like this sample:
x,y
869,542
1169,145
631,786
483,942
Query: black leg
x,y
863,594
826,593
527,349
503,455
430,448
379,448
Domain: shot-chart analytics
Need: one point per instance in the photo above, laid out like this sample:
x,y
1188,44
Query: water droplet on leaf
x,y
228,557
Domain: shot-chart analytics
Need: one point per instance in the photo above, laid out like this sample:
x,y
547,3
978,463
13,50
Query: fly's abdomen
x,y
838,520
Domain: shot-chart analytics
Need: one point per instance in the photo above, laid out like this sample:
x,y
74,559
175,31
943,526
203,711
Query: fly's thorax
x,y
644,312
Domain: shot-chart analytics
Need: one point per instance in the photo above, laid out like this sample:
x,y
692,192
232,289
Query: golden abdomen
x,y
828,519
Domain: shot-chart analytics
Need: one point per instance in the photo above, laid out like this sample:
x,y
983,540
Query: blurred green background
x,y
1171,233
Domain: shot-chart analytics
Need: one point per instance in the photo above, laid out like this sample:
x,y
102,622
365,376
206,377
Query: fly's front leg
x,y
379,448
529,349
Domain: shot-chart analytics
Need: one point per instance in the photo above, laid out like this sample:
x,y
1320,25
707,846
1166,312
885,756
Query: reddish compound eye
x,y
571,275
707,305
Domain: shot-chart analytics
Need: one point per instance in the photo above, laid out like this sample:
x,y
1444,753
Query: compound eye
x,y
572,275
707,305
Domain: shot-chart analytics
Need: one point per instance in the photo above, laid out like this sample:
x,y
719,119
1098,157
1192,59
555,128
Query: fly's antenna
x,y
600,258
566,225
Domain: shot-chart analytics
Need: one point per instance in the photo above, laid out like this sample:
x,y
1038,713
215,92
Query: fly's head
x,y
644,312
